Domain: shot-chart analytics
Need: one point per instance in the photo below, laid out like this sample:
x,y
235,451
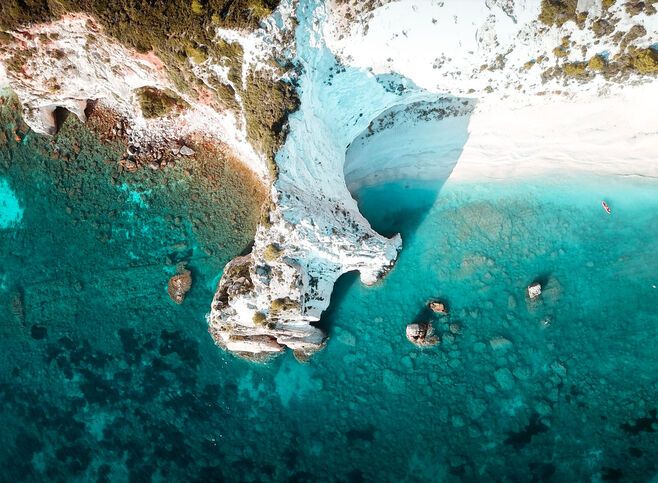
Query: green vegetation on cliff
x,y
266,110
158,103
180,31
145,25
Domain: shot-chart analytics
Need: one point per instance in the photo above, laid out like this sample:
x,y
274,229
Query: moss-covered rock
x,y
644,61
558,12
576,69
597,63
157,103
271,253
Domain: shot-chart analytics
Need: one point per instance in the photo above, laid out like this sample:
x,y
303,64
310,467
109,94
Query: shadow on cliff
x,y
341,288
396,167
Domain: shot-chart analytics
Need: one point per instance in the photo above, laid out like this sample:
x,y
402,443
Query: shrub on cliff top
x,y
558,12
596,63
576,69
151,20
271,252
259,319
267,104
644,61
283,304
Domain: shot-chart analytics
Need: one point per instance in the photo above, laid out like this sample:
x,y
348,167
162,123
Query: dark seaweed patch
x,y
39,332
362,434
521,439
646,424
611,474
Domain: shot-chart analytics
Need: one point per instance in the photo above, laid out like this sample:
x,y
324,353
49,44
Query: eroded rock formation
x,y
367,114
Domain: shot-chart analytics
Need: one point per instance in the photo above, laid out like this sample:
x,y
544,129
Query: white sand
x,y
614,135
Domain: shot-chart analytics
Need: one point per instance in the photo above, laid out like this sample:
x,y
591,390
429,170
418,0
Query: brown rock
x,y
422,334
438,307
179,285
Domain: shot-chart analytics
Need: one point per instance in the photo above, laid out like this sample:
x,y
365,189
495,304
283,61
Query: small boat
x,y
606,207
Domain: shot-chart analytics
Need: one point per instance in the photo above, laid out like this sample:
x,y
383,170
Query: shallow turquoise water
x,y
103,378
10,210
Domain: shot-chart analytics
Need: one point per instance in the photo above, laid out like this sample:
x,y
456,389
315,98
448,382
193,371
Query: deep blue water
x,y
103,378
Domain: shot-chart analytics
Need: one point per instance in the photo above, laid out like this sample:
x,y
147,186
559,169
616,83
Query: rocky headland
x,y
321,98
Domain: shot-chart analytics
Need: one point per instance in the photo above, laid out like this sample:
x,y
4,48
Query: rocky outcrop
x,y
534,290
422,335
438,307
264,305
179,285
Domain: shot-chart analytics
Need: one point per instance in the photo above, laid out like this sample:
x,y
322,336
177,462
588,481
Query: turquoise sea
x,y
103,378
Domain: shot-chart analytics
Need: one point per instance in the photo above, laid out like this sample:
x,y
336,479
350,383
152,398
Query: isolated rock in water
x,y
438,307
179,285
185,151
534,290
422,335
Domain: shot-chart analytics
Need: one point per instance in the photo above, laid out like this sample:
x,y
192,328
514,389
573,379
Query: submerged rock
x,y
179,285
422,334
438,307
534,290
500,344
504,378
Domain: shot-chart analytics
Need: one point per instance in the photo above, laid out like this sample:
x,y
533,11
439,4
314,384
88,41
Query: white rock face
x,y
534,291
421,334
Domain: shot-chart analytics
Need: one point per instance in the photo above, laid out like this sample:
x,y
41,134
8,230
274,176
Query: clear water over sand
x,y
103,378
10,210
